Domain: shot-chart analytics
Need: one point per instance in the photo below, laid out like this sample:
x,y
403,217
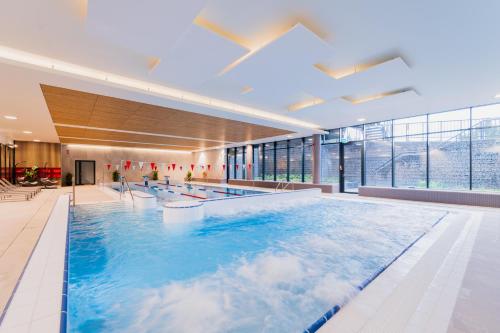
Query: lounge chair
x,y
5,188
10,185
7,195
28,184
47,183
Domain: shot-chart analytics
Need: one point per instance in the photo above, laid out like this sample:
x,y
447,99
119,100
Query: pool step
x,y
415,294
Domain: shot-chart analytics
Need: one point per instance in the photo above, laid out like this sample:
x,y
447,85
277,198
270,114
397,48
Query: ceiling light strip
x,y
38,61
81,145
356,100
305,104
140,133
123,141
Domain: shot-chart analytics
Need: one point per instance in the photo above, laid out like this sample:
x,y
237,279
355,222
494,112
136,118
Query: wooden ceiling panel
x,y
68,106
84,109
71,131
121,144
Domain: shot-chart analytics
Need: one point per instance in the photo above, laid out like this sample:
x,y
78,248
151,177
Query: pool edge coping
x,y
328,315
53,224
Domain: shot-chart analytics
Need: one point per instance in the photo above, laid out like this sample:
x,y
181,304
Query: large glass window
x,y
231,160
354,133
486,116
449,160
353,166
380,130
240,163
295,160
485,136
378,162
308,159
409,126
449,121
449,150
269,161
281,161
486,158
257,162
330,157
410,161
333,136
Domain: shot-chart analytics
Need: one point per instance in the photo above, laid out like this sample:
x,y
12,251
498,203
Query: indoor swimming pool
x,y
263,271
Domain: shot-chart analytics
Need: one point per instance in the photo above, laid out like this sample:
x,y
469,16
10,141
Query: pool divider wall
x,y
183,211
187,211
144,200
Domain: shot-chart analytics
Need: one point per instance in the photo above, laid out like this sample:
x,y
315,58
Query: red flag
x,y
108,166
173,166
208,167
153,164
169,168
192,167
127,164
249,165
223,167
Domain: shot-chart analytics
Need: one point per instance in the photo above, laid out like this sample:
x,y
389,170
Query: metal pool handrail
x,y
128,186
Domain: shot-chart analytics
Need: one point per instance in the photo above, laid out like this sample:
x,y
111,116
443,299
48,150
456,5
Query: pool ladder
x,y
122,185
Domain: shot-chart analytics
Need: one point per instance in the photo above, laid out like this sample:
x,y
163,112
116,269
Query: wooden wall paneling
x,y
41,154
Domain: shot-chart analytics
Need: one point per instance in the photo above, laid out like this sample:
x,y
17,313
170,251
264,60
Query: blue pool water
x,y
177,192
268,271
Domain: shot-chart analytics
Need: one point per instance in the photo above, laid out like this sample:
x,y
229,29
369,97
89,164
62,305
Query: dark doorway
x,y
84,172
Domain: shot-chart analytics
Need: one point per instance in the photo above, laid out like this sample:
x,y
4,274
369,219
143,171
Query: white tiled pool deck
x,y
429,289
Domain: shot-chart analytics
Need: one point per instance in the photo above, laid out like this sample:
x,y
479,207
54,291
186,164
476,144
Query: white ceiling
x,y
445,53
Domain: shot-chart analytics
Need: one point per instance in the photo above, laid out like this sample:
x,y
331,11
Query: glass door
x,y
85,172
351,167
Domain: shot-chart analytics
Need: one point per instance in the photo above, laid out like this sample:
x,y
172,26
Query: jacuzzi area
x,y
274,269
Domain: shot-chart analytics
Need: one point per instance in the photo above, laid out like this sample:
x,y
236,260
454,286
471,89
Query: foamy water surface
x,y
270,271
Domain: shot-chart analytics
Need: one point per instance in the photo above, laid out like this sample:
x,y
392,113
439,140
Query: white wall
x,y
216,158
113,155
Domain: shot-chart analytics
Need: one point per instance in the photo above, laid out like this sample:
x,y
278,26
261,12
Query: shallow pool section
x,y
185,192
271,271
